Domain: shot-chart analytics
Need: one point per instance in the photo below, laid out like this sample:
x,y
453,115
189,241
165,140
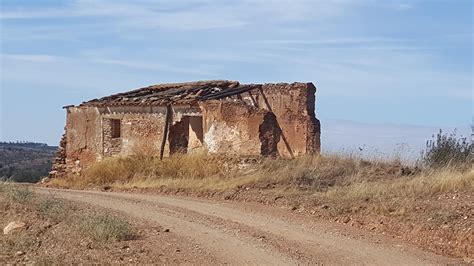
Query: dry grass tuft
x,y
20,241
19,195
54,209
105,228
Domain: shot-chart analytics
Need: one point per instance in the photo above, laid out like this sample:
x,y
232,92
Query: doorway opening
x,y
186,135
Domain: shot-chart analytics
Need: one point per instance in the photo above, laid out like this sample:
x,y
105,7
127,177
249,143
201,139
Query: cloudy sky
x,y
391,62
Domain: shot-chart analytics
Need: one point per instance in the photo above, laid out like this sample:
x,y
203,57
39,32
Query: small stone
x,y
12,226
19,253
167,230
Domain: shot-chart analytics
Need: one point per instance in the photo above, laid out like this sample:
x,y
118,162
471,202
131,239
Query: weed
x,y
104,228
55,209
18,194
21,241
448,150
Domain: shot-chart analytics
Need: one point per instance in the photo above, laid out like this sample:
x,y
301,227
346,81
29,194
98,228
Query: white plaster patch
x,y
221,136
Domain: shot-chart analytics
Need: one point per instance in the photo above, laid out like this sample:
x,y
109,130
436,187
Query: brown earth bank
x,y
432,210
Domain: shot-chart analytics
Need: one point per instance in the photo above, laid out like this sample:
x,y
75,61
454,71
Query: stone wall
x,y
231,127
84,138
89,133
58,169
293,106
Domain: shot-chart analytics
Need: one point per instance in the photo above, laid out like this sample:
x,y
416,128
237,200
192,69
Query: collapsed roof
x,y
175,93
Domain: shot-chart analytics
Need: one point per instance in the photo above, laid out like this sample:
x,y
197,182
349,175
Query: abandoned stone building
x,y
215,117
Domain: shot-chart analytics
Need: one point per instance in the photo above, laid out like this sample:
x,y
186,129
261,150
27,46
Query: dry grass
x,y
104,228
54,209
422,185
336,176
99,226
19,241
16,195
138,168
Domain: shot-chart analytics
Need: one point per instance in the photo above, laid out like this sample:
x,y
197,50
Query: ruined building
x,y
215,117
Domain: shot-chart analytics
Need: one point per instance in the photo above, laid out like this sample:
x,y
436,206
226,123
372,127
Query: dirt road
x,y
245,233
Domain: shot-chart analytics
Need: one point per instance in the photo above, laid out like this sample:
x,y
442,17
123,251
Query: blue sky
x,y
373,61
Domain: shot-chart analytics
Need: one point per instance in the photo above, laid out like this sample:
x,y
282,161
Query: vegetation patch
x,y
19,195
105,227
54,209
448,150
25,161
99,226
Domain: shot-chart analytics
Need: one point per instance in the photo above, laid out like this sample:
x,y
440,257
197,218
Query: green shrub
x,y
447,150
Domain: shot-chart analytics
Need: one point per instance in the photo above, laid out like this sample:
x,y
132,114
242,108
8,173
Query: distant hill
x,y
25,161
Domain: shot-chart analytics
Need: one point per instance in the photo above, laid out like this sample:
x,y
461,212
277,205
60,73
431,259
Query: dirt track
x,y
245,233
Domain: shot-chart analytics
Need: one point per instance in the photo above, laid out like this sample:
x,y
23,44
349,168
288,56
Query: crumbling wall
x,y
84,138
293,105
90,139
232,127
111,145
270,120
178,136
58,169
196,134
269,135
141,132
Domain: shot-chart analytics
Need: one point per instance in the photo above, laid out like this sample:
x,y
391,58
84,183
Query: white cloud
x,y
44,60
189,15
154,66
40,58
